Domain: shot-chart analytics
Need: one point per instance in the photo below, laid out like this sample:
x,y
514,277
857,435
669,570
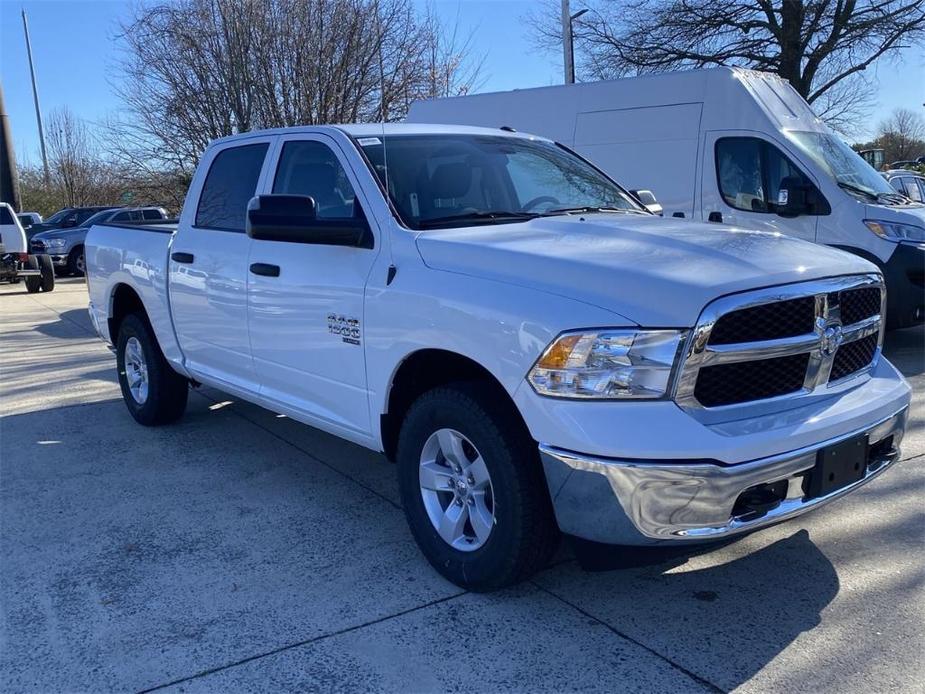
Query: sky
x,y
76,52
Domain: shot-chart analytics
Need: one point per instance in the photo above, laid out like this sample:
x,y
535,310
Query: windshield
x,y
454,180
59,216
98,218
842,163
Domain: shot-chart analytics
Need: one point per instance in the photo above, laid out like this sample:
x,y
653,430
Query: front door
x,y
208,268
741,181
306,324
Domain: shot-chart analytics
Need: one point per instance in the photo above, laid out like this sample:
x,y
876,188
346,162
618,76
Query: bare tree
x,y
902,135
71,154
200,69
822,47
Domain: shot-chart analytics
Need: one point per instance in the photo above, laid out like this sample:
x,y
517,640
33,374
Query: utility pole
x,y
568,44
9,179
35,95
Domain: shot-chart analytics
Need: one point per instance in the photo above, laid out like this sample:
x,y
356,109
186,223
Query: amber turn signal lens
x,y
556,356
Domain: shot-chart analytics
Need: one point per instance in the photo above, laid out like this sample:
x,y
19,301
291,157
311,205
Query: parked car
x,y
536,350
725,145
66,246
67,217
909,183
29,219
15,262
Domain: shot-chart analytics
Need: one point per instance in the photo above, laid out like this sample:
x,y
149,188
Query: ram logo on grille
x,y
782,342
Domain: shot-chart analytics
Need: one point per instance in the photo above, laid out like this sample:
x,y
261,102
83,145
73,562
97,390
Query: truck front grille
x,y
783,341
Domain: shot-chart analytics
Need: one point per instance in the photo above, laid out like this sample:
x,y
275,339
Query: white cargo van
x,y
725,145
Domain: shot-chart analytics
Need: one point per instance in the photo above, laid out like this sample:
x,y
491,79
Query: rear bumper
x,y
643,503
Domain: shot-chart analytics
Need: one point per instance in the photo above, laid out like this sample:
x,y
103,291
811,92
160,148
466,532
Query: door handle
x,y
265,269
715,217
181,257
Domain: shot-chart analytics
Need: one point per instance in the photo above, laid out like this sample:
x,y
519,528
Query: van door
x,y
305,300
208,267
741,183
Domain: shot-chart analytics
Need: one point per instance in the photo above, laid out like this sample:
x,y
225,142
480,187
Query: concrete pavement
x,y
241,551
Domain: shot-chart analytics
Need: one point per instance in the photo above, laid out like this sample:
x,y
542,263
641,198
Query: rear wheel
x,y
473,488
153,392
33,282
77,262
48,273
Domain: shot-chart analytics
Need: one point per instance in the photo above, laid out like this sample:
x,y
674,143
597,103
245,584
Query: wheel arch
x,y
424,370
123,300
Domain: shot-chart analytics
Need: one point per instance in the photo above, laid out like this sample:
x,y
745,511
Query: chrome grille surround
x,y
821,344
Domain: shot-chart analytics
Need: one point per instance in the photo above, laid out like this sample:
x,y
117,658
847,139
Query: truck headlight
x,y
608,364
55,243
896,231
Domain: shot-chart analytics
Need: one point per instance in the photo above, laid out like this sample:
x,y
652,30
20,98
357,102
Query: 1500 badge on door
x,y
347,328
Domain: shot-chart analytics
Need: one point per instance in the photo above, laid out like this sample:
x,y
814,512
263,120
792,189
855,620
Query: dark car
x,y
67,217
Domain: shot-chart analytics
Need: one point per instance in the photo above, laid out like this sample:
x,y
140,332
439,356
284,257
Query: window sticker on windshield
x,y
367,141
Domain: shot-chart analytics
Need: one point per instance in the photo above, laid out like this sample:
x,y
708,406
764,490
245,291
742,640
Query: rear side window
x,y
230,184
5,216
151,214
912,188
750,172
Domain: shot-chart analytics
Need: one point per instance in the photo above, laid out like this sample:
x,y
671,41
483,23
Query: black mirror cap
x,y
294,219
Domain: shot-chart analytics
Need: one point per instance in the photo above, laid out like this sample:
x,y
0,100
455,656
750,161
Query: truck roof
x,y
376,129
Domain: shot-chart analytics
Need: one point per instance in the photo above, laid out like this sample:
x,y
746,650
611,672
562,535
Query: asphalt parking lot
x,y
241,551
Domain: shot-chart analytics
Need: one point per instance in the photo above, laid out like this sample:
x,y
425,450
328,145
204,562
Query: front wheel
x,y
77,262
473,489
153,392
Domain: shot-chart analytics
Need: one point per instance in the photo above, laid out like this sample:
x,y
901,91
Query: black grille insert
x,y
728,384
766,322
853,356
858,304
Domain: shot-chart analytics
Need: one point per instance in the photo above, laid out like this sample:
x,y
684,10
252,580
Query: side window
x,y
750,172
897,183
230,184
912,188
308,167
5,216
121,217
151,214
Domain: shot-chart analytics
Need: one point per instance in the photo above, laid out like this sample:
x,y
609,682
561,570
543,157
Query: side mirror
x,y
792,197
647,199
294,219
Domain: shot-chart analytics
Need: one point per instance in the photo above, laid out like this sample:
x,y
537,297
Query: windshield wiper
x,y
485,215
857,189
588,208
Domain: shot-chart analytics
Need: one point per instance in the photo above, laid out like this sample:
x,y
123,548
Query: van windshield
x,y
460,180
843,164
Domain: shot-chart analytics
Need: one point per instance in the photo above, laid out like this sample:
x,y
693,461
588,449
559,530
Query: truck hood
x,y
652,271
59,233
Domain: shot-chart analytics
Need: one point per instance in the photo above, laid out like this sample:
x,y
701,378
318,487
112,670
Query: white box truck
x,y
724,145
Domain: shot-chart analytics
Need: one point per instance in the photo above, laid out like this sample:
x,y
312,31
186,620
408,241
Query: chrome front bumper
x,y
643,503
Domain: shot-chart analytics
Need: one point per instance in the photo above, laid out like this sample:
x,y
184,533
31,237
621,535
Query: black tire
x,y
76,262
524,535
33,282
167,390
48,273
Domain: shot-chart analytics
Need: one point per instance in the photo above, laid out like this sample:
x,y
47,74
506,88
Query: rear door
x,y
208,266
306,324
741,182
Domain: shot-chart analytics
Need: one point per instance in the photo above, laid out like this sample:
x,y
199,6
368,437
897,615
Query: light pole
x,y
568,45
35,95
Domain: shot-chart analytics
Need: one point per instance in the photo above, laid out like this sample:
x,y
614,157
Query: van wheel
x,y
33,282
473,489
153,392
48,273
77,262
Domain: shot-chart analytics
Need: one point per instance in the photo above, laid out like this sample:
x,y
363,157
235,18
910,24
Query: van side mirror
x,y
294,219
646,198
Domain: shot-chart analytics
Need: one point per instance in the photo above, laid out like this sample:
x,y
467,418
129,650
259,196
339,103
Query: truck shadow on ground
x,y
724,622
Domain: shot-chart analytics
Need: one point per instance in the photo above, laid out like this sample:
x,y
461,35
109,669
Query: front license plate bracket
x,y
838,466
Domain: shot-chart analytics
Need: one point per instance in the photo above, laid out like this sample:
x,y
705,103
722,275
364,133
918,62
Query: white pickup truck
x,y
536,351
